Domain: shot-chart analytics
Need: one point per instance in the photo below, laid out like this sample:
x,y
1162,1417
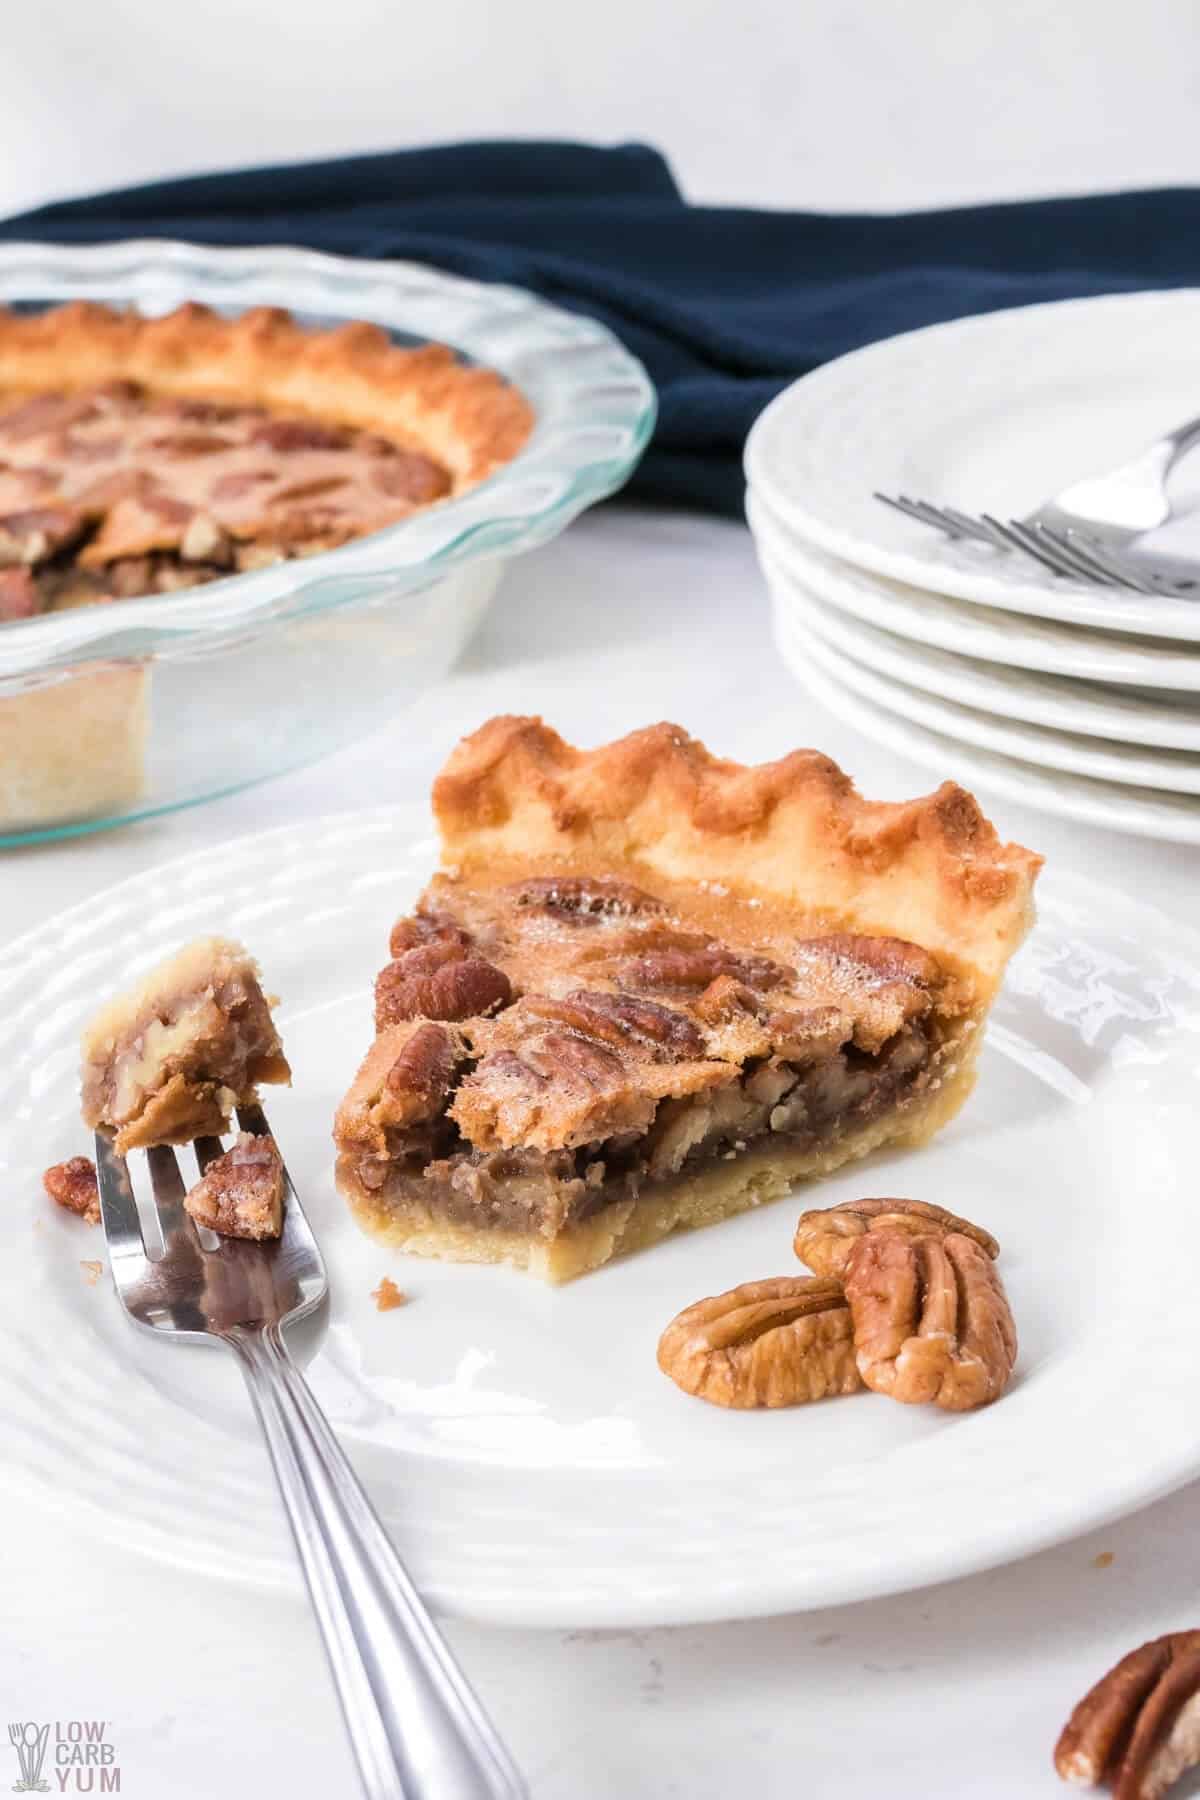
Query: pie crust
x,y
73,748
650,988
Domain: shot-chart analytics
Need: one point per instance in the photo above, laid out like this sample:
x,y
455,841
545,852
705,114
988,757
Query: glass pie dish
x,y
111,712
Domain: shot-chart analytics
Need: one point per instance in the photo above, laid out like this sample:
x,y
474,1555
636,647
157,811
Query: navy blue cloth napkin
x,y
724,305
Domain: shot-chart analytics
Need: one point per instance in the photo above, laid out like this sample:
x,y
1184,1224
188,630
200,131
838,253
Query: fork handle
x,y
418,1731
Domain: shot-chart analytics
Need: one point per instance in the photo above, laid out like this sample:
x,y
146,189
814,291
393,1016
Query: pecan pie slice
x,y
650,989
143,456
170,1059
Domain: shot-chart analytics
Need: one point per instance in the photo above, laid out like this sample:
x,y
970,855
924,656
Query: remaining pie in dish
x,y
650,989
147,455
170,1059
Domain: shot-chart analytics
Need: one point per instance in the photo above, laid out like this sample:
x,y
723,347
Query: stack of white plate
x,y
983,666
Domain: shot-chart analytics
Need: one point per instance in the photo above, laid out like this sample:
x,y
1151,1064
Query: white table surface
x,y
956,1691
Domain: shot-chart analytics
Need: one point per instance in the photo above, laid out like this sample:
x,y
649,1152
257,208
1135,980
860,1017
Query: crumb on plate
x,y
387,1296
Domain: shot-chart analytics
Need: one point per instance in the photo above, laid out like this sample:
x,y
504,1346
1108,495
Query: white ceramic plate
x,y
978,631
531,1461
1146,812
1169,721
992,414
1176,771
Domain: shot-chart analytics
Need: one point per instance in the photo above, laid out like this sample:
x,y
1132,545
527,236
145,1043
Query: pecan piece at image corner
x,y
932,1322
767,1343
1138,1729
825,1236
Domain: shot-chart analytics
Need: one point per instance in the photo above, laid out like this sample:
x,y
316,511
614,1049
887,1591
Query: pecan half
x,y
426,928
405,475
72,1185
300,434
621,1019
1139,1727
931,1319
424,1069
882,959
826,1235
563,1058
459,987
766,1343
699,968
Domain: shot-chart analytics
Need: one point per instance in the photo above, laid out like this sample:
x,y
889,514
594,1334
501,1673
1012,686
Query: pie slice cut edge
x,y
650,989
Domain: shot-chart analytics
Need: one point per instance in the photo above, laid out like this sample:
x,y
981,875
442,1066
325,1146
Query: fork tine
x,y
925,509
1091,557
955,524
1055,545
943,518
253,1119
921,512
1120,566
169,1190
207,1150
968,526
996,535
1015,536
118,1208
909,510
296,1229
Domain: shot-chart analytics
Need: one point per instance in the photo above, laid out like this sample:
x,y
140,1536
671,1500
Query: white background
x,y
822,103
955,1692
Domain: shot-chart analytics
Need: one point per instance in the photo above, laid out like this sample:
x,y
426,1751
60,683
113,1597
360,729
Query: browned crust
x,y
792,834
469,419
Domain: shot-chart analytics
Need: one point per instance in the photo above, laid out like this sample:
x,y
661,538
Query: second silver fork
x,y
417,1728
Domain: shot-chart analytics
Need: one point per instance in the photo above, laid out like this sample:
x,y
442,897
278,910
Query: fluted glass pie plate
x,y
530,1459
262,671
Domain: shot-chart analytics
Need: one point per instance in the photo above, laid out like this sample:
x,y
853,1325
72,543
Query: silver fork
x,y
417,1729
1081,557
1110,510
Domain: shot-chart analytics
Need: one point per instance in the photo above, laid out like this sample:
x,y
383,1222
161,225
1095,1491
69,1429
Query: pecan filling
x,y
114,491
545,1191
552,1048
